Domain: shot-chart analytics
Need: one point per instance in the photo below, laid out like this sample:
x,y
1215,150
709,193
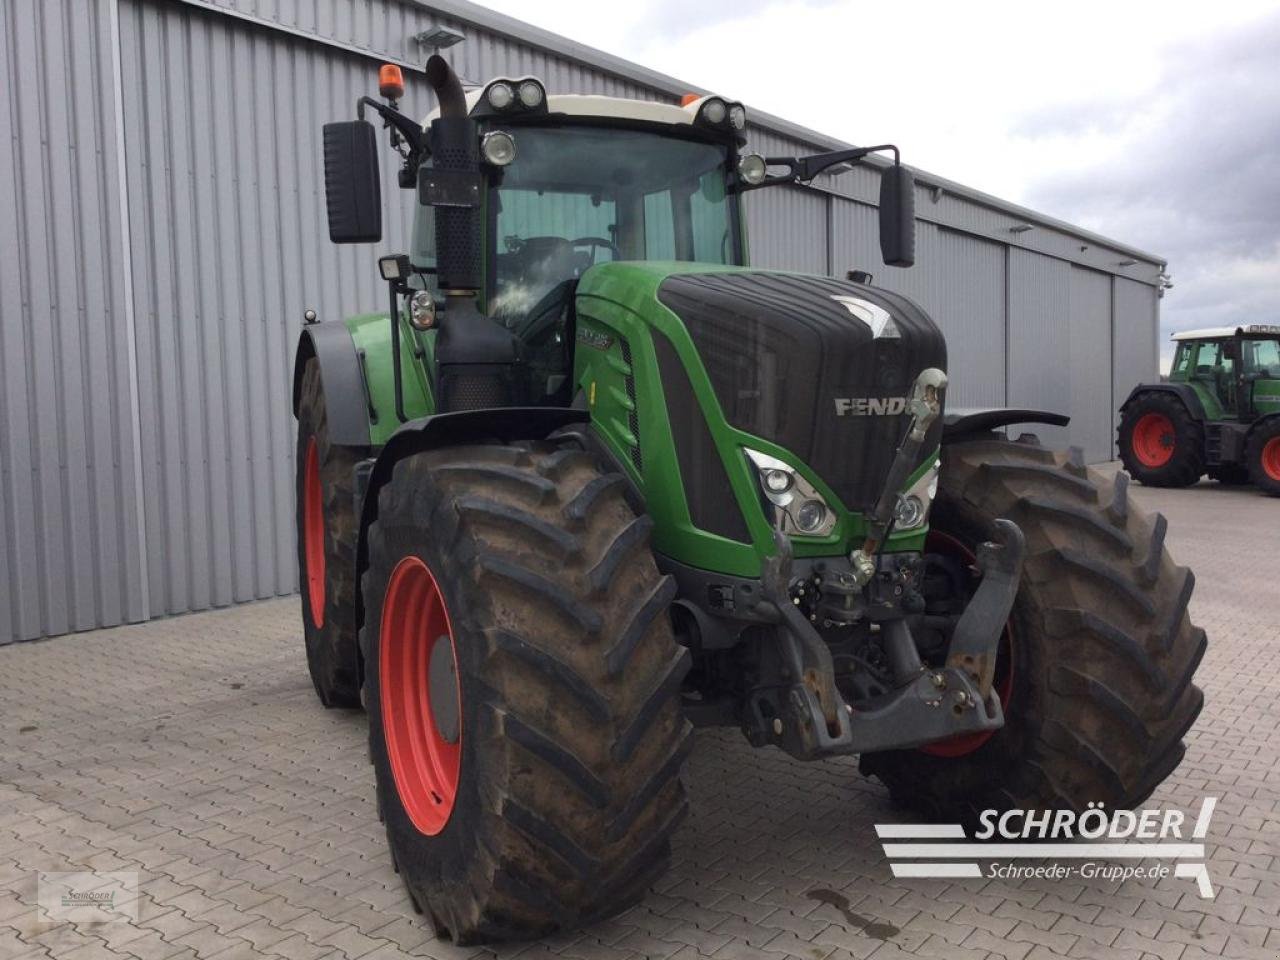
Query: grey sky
x,y
1157,124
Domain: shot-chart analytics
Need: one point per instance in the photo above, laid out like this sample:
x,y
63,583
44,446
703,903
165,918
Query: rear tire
x,y
1262,454
327,526
1103,651
567,788
1161,445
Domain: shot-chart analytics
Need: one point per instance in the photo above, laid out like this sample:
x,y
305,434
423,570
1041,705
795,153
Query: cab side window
x,y
1262,358
1182,360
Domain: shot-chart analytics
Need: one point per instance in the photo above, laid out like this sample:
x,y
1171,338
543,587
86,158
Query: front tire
x,y
327,527
1102,649
555,803
1161,445
1262,453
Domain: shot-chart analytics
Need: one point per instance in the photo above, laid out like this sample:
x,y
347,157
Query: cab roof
x,y
592,105
1217,333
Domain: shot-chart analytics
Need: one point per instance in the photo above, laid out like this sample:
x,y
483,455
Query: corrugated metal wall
x,y
70,530
165,192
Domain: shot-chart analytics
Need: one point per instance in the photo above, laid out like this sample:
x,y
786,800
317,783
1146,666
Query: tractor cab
x,y
1235,372
519,194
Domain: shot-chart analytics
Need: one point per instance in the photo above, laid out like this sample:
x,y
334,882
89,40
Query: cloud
x,y
1154,123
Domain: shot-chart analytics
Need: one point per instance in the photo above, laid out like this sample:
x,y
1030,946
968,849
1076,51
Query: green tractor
x,y
1218,413
592,481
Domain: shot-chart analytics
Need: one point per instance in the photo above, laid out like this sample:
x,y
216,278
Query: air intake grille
x,y
633,419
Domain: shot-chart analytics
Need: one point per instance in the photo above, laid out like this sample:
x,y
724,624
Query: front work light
x,y
394,267
714,110
531,94
738,116
752,168
500,96
498,147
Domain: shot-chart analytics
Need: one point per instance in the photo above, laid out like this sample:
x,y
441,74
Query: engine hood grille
x,y
792,362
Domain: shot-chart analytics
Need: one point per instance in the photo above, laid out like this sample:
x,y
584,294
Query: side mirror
x,y
898,216
352,189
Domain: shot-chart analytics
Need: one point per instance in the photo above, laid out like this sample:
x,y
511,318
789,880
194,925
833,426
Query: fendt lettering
x,y
870,406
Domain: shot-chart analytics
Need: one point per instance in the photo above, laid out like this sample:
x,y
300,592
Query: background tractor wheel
x,y
1160,444
1096,674
1262,454
327,527
523,691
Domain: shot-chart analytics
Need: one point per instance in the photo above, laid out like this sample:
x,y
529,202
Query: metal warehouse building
x,y
163,231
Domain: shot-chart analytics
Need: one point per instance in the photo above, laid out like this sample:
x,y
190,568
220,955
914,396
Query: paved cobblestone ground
x,y
193,751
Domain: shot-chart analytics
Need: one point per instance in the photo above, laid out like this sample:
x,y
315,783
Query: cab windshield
x,y
576,196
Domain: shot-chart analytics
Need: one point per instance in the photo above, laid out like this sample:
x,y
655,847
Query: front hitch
x,y
926,705
976,639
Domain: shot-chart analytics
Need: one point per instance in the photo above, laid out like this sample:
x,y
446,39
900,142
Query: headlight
x,y
531,94
752,168
810,516
777,481
913,506
790,501
498,147
738,116
422,310
500,96
714,110
908,513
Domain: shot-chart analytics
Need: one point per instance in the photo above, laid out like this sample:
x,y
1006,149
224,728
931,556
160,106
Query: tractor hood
x,y
819,366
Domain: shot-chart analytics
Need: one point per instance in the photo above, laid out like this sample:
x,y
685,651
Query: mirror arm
x,y
804,169
401,125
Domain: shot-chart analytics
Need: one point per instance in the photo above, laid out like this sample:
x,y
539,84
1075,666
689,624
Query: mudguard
x,y
346,397
1183,391
966,423
497,424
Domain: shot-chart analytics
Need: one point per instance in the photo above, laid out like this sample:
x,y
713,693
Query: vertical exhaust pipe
x,y
454,151
478,359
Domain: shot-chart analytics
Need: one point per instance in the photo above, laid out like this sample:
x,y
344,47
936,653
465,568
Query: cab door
x,y
1213,373
1261,380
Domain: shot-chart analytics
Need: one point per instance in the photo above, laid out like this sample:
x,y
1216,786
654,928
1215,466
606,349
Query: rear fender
x,y
1183,391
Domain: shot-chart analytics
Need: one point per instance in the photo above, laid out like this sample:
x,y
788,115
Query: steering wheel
x,y
595,243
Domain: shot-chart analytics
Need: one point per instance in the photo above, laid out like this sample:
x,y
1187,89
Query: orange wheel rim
x,y
1153,440
313,532
1271,459
424,739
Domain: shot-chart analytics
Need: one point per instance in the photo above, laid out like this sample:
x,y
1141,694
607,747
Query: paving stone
x,y
247,810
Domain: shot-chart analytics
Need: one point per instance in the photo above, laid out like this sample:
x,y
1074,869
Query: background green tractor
x,y
593,479
1218,413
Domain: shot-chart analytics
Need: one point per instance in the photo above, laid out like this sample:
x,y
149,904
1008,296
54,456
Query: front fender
x,y
967,423
496,424
346,398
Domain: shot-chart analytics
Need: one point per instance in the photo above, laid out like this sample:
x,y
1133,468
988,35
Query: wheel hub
x,y
1153,440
